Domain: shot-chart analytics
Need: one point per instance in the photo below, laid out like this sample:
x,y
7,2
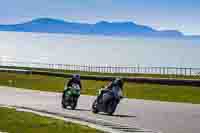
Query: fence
x,y
108,69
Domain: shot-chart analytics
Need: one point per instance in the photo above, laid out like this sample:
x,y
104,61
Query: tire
x,y
73,106
112,107
65,101
63,104
74,103
94,108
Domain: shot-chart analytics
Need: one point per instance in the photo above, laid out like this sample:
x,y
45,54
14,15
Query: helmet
x,y
118,82
76,77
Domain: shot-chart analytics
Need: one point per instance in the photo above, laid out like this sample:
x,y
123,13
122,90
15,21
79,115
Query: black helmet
x,y
118,82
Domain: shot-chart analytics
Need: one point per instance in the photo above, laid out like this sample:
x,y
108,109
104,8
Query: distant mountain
x,y
48,25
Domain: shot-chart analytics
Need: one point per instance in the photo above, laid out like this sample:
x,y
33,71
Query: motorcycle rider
x,y
116,87
74,80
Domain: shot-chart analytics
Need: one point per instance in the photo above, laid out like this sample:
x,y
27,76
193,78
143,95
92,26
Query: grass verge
x,y
22,122
170,93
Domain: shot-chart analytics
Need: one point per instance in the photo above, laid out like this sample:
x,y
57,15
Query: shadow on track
x,y
114,115
85,110
118,115
123,116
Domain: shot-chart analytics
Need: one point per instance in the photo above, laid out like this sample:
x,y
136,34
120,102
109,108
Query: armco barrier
x,y
182,71
166,81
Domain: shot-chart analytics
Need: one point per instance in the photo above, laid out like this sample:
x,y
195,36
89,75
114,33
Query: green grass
x,y
170,93
110,74
12,121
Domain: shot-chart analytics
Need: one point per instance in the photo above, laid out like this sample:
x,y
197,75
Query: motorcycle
x,y
70,97
105,102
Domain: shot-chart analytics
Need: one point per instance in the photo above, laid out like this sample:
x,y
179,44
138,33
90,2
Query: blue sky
x,y
183,15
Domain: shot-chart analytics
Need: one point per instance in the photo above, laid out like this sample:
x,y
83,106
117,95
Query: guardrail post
x,y
185,71
98,68
181,71
160,71
138,68
167,71
90,67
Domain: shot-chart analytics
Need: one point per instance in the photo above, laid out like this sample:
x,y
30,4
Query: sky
x,y
182,15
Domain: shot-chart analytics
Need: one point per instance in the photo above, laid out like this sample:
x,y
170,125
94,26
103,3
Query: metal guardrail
x,y
108,69
188,82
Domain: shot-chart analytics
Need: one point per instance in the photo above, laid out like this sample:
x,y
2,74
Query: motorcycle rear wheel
x,y
94,108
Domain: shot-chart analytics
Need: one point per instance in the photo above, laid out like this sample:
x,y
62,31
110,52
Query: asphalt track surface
x,y
131,115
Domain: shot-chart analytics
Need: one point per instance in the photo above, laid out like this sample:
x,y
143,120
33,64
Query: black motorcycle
x,y
105,102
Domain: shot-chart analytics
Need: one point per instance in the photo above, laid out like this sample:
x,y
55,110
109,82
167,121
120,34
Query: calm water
x,y
77,49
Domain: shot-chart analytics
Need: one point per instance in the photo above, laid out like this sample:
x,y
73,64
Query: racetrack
x,y
131,115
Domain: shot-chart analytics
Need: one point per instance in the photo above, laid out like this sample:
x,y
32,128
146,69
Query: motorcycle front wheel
x,y
74,103
63,104
112,107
